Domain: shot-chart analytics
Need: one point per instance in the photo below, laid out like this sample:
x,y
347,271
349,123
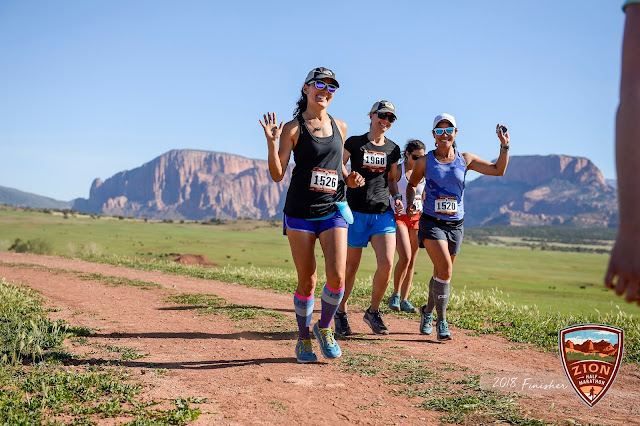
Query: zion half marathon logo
x,y
591,355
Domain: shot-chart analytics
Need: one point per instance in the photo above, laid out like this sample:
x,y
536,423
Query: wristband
x,y
395,197
504,148
628,2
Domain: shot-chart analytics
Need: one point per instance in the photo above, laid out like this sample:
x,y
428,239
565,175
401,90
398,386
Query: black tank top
x,y
317,182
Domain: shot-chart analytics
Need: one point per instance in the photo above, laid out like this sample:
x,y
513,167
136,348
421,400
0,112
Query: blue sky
x,y
88,89
579,337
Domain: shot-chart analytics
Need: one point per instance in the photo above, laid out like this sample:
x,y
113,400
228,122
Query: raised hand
x,y
270,126
503,134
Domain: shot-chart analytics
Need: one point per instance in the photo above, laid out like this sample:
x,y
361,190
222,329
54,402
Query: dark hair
x,y
301,105
412,145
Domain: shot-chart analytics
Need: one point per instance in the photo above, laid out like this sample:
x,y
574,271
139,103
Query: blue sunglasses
x,y
440,131
320,85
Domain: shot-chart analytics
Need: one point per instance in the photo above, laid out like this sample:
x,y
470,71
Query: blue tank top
x,y
444,187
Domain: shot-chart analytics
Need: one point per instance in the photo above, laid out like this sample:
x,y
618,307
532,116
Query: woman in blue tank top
x,y
311,209
440,232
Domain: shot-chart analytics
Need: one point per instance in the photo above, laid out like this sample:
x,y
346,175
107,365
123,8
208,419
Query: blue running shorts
x,y
366,225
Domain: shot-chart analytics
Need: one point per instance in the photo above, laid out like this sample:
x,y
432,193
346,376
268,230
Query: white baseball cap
x,y
444,117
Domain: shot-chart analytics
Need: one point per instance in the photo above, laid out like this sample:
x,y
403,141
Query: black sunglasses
x,y
387,116
415,157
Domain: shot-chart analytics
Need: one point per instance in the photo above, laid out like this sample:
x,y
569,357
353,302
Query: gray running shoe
x,y
374,320
341,320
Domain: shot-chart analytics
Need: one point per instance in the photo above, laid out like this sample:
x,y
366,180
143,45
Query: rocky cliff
x,y
543,190
197,185
189,184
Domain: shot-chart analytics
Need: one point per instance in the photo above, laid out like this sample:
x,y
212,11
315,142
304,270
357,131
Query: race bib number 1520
x,y
446,205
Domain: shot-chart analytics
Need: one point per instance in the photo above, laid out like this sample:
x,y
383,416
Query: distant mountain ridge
x,y
197,185
190,184
543,190
17,198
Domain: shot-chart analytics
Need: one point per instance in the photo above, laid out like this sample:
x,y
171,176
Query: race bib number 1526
x,y
323,180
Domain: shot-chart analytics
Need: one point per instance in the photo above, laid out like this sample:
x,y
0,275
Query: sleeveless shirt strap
x,y
301,123
334,127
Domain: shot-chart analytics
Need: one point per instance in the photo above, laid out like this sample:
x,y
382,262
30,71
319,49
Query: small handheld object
x,y
345,211
504,129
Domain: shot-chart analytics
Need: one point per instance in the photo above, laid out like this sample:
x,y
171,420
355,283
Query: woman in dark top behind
x,y
375,158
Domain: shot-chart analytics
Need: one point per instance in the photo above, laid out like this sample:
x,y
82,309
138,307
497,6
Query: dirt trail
x,y
252,378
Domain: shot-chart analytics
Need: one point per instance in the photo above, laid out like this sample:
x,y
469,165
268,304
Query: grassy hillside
x,y
567,282
15,197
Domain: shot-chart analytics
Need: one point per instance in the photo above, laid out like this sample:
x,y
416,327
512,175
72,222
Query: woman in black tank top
x,y
310,213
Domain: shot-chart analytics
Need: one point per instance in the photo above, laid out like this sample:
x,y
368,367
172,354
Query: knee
x,y
307,283
445,271
403,260
336,280
385,265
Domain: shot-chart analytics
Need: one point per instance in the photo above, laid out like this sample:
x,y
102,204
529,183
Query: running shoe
x,y
328,345
442,329
341,320
374,320
304,351
394,302
406,306
426,321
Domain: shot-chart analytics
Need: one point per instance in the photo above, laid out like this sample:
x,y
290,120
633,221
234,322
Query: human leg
x,y
341,318
405,304
438,288
384,246
403,247
302,250
354,255
334,247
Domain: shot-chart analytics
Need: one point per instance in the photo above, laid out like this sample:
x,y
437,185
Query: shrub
x,y
37,246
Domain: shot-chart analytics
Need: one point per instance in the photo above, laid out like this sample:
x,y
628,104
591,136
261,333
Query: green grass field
x,y
553,281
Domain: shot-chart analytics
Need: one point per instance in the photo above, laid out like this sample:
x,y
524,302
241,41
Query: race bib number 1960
x,y
375,161
323,180
446,205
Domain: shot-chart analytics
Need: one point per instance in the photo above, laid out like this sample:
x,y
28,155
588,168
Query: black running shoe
x,y
374,320
341,320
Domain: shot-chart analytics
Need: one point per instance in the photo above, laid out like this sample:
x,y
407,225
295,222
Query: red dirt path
x,y
252,378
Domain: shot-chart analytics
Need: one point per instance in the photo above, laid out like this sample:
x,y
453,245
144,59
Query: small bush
x,y
37,246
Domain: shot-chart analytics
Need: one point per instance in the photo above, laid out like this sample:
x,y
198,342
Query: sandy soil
x,y
251,377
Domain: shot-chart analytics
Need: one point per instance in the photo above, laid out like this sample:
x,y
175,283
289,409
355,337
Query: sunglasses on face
x,y
440,131
320,85
387,116
415,157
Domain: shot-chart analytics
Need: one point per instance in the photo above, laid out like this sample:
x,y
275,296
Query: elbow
x,y
276,177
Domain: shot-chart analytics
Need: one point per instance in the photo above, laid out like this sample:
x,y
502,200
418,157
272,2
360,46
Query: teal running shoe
x,y
328,345
442,329
304,352
406,306
394,302
426,321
